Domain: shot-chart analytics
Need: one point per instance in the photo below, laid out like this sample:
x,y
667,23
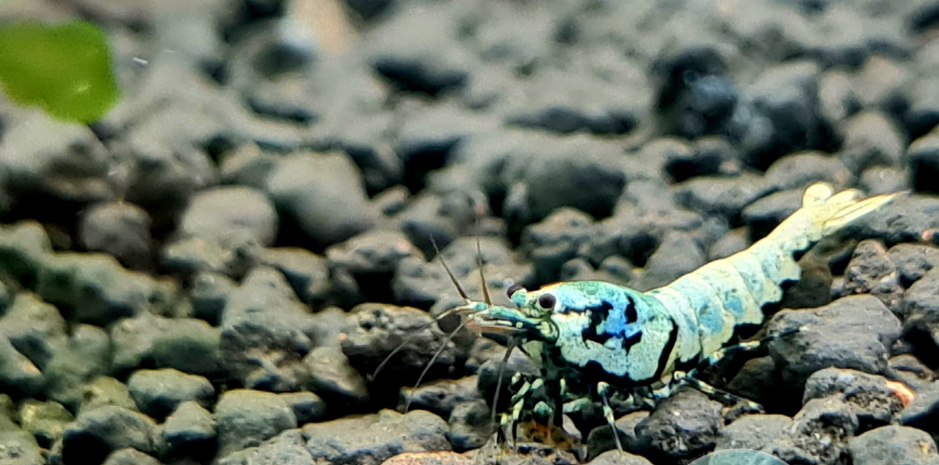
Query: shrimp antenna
x,y
482,276
495,398
432,360
449,272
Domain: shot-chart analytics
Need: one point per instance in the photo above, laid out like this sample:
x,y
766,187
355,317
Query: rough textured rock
x,y
871,271
893,444
120,229
158,392
852,332
106,429
671,435
230,216
323,195
246,418
370,439
190,431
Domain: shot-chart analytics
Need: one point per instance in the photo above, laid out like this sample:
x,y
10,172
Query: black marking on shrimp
x,y
667,350
598,315
631,315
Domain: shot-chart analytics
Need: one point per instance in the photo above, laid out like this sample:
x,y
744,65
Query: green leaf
x,y
64,69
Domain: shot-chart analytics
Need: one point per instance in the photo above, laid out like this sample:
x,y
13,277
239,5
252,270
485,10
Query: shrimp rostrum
x,y
595,339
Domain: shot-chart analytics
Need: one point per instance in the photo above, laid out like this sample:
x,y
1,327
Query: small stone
x,y
18,375
307,273
909,370
323,194
247,165
683,426
158,392
871,138
470,425
98,432
186,344
913,261
601,440
555,240
209,294
44,420
246,418
923,411
758,380
734,241
802,169
677,255
904,220
837,97
230,215
720,196
696,93
264,333
120,229
374,252
105,391
878,180
871,271
768,212
190,431
893,444
851,332
35,328
753,432
376,436
98,289
128,456
287,447
872,399
84,358
441,396
197,255
331,377
306,406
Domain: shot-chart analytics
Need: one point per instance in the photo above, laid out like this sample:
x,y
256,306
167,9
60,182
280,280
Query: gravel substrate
x,y
213,272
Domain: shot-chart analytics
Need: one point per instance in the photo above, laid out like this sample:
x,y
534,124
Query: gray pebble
x,y
190,431
46,421
907,219
923,156
720,196
186,344
35,328
17,447
85,357
98,432
683,426
246,418
287,447
923,411
909,370
209,293
878,180
871,138
555,240
230,216
158,392
759,380
734,241
677,255
128,456
331,376
106,391
874,402
440,397
921,303
601,440
247,165
894,444
852,332
376,437
801,169
819,433
323,194
763,215
194,255
307,273
98,289
263,331
18,375
753,432
120,229
306,406
913,261
470,425
871,271
374,252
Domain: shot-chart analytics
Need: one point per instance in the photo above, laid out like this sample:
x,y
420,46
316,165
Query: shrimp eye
x,y
547,301
513,289
449,323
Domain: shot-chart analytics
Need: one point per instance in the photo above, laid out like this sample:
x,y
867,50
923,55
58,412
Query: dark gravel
x,y
214,271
